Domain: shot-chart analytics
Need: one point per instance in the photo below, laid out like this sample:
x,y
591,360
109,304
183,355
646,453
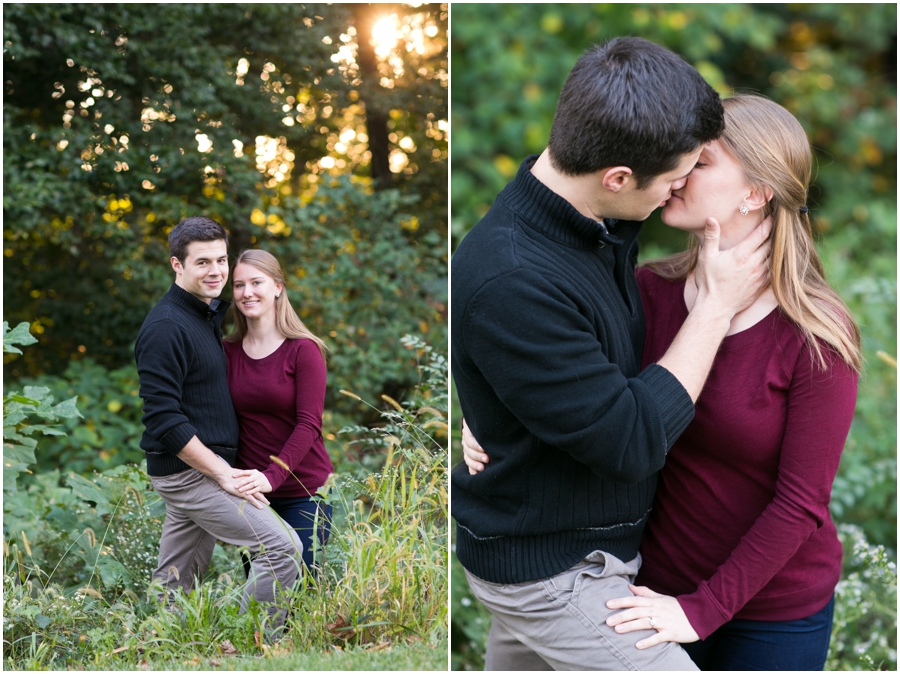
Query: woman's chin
x,y
671,220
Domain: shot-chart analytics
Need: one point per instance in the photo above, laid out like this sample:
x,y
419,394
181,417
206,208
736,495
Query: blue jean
x,y
300,513
759,645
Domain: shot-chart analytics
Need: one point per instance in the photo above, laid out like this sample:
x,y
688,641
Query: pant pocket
x,y
563,587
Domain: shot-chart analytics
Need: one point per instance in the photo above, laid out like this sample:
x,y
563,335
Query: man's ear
x,y
176,264
616,178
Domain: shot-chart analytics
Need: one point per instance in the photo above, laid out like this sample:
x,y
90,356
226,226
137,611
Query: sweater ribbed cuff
x,y
177,437
676,409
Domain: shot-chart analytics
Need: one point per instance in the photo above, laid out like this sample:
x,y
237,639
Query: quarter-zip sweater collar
x,y
546,211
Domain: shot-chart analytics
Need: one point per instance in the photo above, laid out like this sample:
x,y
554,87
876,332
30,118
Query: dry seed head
x,y
87,589
890,360
350,395
393,403
174,572
25,543
92,537
431,410
137,495
279,462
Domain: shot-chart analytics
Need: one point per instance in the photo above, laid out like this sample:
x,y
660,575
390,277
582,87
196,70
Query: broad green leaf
x,y
17,454
38,393
89,491
66,409
21,334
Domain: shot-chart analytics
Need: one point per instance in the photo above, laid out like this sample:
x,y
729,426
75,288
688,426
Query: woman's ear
x,y
759,197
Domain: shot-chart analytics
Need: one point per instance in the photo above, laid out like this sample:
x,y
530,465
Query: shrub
x,y
864,635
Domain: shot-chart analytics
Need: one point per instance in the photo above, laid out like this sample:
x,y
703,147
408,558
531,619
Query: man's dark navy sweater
x,y
184,381
547,330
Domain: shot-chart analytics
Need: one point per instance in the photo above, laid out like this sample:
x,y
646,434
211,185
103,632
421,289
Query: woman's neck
x,y
262,330
762,306
734,230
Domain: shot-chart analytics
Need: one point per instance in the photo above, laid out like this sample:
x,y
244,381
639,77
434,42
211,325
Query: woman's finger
x,y
629,602
641,591
657,638
638,613
635,625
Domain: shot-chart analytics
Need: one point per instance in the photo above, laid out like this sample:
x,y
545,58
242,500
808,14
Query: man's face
x,y
635,204
204,271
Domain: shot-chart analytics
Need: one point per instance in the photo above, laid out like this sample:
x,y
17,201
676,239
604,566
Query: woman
x,y
276,374
740,550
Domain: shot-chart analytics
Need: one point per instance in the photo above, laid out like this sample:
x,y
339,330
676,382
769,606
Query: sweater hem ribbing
x,y
160,464
520,559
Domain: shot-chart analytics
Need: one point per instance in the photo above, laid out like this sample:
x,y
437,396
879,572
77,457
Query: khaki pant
x,y
560,622
199,512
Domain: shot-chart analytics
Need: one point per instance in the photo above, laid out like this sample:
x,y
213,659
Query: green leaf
x,y
88,491
20,335
45,429
10,435
10,473
18,398
38,393
18,454
66,409
112,573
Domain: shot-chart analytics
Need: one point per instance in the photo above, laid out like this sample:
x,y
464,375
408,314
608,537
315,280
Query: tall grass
x,y
382,581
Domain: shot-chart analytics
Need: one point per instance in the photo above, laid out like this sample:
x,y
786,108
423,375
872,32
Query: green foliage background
x,y
122,119
834,67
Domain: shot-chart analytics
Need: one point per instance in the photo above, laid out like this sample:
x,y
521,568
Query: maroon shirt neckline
x,y
257,360
738,338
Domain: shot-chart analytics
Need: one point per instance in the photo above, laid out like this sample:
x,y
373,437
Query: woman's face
x,y
254,291
715,188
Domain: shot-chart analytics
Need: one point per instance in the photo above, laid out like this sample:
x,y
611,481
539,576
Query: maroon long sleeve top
x,y
740,526
279,401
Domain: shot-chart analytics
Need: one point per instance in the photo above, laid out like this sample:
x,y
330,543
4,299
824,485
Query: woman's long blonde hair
x,y
286,319
772,148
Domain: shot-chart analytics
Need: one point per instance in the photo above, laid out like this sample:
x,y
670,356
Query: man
x,y
547,331
191,430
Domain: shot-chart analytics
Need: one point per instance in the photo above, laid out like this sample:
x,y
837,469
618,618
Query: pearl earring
x,y
278,295
744,210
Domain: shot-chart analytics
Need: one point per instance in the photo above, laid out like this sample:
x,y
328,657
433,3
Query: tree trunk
x,y
364,17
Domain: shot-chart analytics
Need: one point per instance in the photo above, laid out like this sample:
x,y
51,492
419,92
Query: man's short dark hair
x,y
196,228
629,102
